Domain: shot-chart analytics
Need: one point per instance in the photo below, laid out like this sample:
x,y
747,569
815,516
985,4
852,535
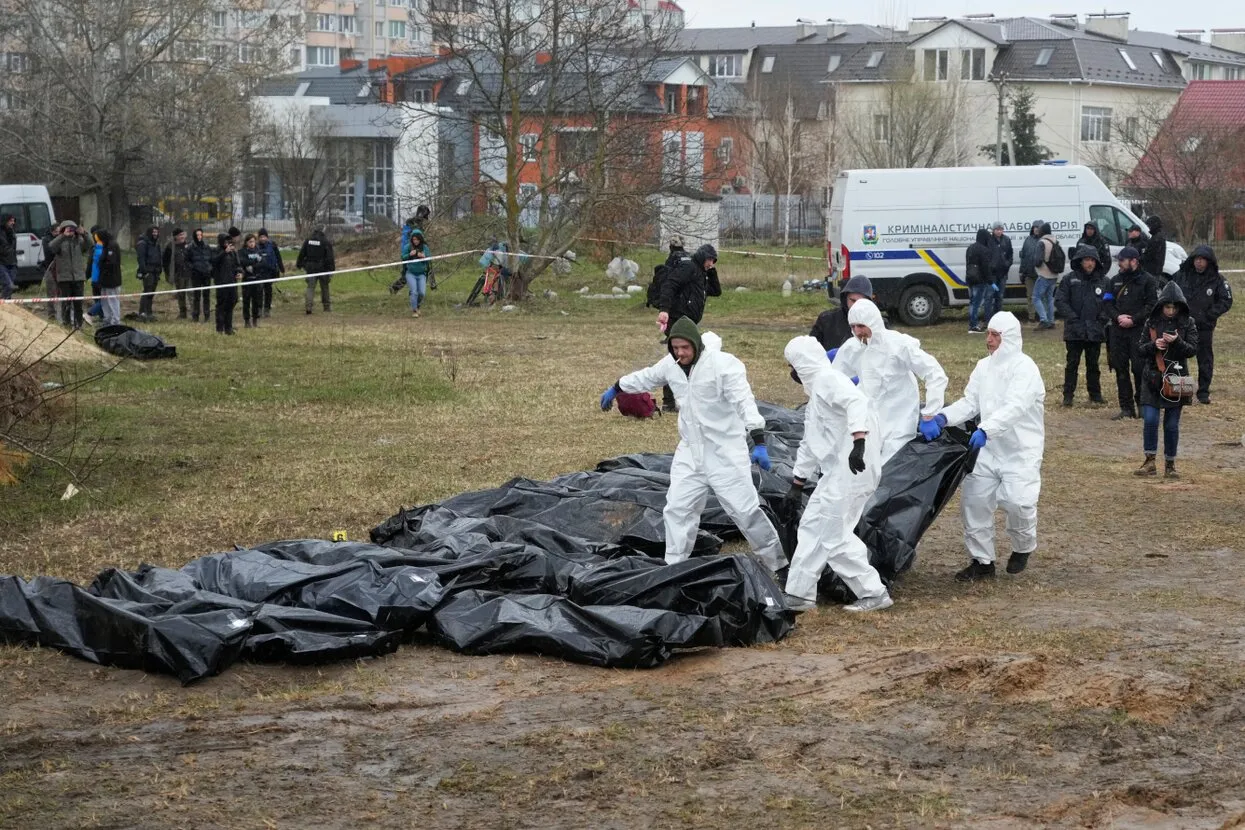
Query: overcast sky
x,y
1153,15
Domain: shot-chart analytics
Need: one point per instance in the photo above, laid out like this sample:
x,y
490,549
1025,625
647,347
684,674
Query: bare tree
x,y
553,113
1185,167
911,124
782,142
108,80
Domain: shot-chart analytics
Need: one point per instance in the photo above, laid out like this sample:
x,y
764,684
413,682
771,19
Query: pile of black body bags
x,y
570,568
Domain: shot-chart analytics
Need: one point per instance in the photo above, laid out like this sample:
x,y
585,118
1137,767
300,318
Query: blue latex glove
x,y
607,398
760,457
977,440
932,428
830,354
1108,297
856,380
995,288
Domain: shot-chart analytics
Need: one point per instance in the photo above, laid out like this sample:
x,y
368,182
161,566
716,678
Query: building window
x,y
322,22
219,52
724,66
1043,58
875,59
1131,127
936,64
17,62
379,28
397,29
527,143
321,56
973,65
882,128
349,24
296,56
380,179
12,101
726,148
672,103
1095,124
835,60
767,65
419,95
247,53
1127,59
1232,73
1198,71
218,20
1158,58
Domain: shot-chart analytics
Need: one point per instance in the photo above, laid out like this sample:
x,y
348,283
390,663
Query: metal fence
x,y
753,218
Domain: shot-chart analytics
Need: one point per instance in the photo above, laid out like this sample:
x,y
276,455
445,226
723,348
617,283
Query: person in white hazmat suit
x,y
1007,396
717,415
840,440
888,364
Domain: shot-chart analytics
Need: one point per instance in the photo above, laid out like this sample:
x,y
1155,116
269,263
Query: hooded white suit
x,y
836,409
888,368
716,413
1006,394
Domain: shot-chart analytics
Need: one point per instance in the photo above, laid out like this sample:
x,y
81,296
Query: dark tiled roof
x,y
330,82
1102,61
797,71
743,38
897,63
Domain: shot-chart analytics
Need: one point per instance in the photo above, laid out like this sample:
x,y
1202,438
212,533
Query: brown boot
x,y
1147,467
1169,469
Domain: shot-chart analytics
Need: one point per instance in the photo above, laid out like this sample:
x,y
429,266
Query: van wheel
x,y
920,305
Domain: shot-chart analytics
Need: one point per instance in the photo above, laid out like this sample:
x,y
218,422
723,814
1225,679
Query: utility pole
x,y
1000,83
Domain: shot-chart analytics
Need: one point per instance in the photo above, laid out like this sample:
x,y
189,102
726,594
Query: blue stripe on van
x,y
924,254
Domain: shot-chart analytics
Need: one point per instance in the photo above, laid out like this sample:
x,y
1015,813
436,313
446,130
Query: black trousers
x,y
1093,382
226,299
1124,360
146,302
252,301
267,287
201,300
1205,361
73,314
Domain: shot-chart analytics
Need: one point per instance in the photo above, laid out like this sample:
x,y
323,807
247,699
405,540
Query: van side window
x,y
1104,216
39,221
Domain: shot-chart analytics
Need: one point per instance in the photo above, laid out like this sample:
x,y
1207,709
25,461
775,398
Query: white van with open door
x,y
32,206
907,230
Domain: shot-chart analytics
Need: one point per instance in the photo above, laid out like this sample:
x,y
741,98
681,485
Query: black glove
x,y
856,461
791,501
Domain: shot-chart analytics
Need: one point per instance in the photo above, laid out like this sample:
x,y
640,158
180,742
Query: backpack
x,y
636,404
1058,259
653,298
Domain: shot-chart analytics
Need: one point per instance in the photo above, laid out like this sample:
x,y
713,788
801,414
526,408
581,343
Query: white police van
x,y
907,230
32,206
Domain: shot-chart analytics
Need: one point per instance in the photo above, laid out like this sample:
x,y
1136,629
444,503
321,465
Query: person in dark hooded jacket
x,y
8,255
683,294
1154,254
199,255
1130,298
150,264
1080,301
317,258
109,278
977,274
1168,338
831,327
1209,297
227,270
677,252
1093,237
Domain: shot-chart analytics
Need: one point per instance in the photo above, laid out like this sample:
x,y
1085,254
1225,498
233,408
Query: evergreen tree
x,y
1024,123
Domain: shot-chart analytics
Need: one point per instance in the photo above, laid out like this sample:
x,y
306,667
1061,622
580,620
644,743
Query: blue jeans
x,y
8,279
979,295
417,286
1044,299
1150,431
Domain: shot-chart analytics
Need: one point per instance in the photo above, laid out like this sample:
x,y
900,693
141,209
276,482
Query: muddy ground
x,y
1101,688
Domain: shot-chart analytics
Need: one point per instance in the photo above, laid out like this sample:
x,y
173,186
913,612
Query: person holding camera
x,y
150,265
226,271
68,249
1169,337
252,263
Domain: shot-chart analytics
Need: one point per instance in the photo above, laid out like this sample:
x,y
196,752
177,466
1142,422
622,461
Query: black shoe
x,y
975,572
194,319
1204,399
1097,401
669,407
1017,561
1067,400
1123,415
246,323
229,332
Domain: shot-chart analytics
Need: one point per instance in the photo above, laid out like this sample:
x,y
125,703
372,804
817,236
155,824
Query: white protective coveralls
x,y
836,409
1006,394
888,368
716,413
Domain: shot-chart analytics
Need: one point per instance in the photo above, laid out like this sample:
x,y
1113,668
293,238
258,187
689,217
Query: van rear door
x,y
33,221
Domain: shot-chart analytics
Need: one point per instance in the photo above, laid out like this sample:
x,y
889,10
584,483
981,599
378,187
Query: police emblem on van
x,y
870,235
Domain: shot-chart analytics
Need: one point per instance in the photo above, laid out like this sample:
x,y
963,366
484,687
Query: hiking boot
x,y
1097,400
1147,467
1169,469
975,572
1123,415
879,603
1017,562
1067,400
308,311
415,313
799,604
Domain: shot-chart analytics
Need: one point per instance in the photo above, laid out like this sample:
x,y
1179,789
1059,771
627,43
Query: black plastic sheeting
x,y
125,341
569,568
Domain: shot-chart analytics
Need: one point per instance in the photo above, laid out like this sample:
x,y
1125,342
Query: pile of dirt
x,y
34,338
1148,695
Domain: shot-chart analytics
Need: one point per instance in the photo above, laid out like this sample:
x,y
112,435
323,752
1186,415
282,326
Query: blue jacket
x,y
273,262
96,253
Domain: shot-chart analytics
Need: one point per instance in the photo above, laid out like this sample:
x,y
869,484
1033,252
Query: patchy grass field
x,y
1104,687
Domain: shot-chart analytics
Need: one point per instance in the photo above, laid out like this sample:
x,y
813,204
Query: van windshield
x,y
32,217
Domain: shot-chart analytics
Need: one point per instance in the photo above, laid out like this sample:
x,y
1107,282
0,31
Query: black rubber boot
x,y
1017,562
